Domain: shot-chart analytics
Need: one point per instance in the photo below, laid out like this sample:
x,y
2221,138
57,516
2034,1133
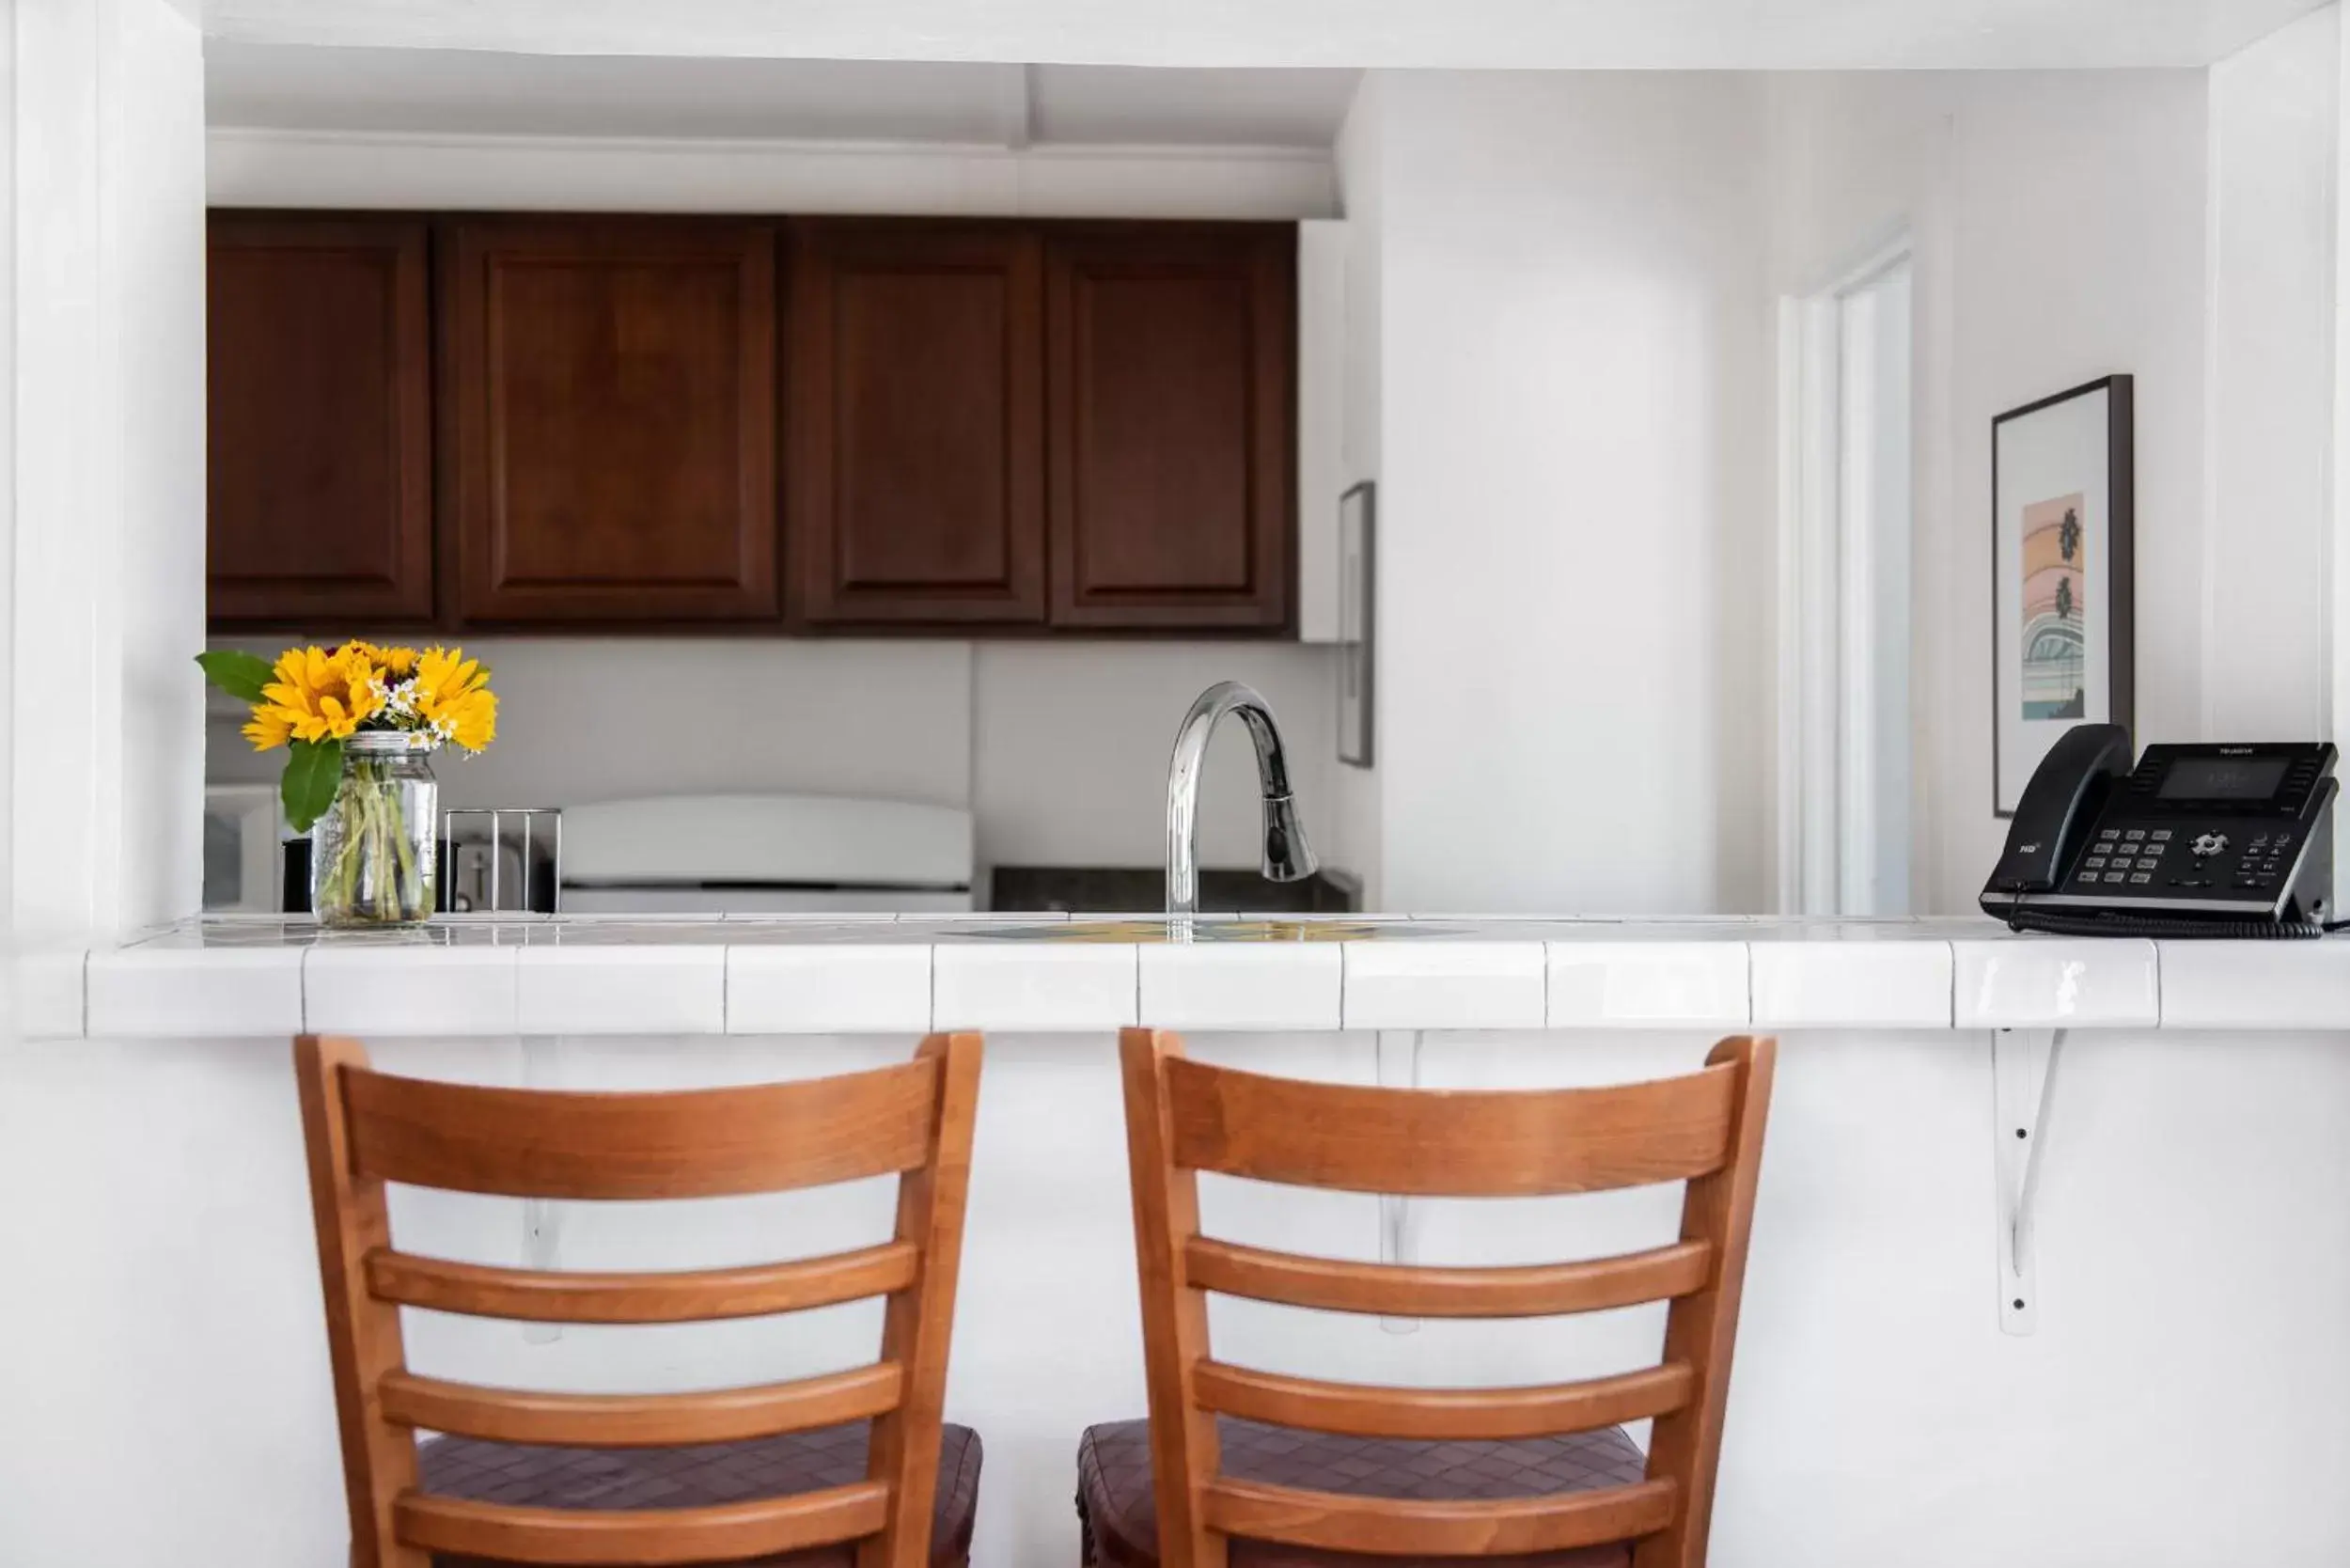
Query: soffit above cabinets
x,y
459,92
1767,34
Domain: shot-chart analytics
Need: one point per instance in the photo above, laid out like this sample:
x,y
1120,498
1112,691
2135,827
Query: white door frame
x,y
1827,724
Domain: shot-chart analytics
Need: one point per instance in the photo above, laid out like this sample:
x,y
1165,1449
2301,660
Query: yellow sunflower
x,y
393,664
270,726
453,697
316,696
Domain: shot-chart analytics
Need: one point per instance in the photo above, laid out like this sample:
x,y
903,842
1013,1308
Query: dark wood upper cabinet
x,y
319,483
1170,425
608,392
915,355
615,423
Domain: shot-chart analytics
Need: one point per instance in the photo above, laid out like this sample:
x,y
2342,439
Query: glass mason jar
x,y
373,855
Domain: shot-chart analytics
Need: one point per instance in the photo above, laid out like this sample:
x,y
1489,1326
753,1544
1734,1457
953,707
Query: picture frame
x,y
1357,624
2063,598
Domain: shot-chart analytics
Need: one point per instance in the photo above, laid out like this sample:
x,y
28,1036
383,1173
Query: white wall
x,y
104,463
12,132
1563,289
2275,122
155,239
1573,450
1060,749
2060,225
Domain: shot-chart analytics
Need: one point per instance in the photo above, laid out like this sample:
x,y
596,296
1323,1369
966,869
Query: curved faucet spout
x,y
1287,856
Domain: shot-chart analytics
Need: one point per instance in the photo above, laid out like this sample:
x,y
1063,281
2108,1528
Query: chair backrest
x,y
366,1128
1183,1117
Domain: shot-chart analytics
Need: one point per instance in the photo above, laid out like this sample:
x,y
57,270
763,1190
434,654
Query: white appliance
x,y
765,854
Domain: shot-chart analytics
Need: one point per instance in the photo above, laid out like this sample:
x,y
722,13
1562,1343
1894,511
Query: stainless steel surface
x,y
526,818
1287,856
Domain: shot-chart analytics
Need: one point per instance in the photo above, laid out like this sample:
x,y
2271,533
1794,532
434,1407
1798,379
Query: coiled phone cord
x,y
2021,916
2154,925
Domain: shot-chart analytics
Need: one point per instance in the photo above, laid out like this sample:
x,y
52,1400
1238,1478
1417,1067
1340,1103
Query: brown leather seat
x,y
1120,1517
700,1476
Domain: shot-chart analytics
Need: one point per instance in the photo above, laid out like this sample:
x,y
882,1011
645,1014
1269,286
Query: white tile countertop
x,y
242,977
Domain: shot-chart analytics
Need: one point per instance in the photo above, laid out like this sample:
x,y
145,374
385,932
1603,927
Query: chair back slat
x,y
698,1295
1401,1290
727,1532
364,1129
1394,1526
917,1323
1185,1117
1440,1415
702,1143
1448,1144
640,1420
1704,1329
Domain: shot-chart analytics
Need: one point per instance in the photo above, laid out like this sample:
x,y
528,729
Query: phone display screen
x,y
2222,778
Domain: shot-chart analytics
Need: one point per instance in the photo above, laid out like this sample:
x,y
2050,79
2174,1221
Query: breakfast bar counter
x,y
2049,1266
237,976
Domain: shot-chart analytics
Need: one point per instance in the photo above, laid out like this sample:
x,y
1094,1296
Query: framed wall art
x,y
2060,574
1357,523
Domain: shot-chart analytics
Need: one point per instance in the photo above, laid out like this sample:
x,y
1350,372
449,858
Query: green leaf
x,y
240,674
313,771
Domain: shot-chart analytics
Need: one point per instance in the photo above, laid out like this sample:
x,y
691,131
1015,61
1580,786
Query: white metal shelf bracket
x,y
1398,1068
2023,1084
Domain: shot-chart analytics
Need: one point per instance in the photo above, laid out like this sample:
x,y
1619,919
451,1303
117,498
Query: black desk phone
x,y
2195,840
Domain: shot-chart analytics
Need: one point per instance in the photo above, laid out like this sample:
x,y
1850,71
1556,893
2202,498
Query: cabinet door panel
x,y
318,498
1170,428
917,416
611,388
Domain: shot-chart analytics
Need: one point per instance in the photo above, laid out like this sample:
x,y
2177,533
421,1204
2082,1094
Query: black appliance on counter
x,y
459,884
2195,840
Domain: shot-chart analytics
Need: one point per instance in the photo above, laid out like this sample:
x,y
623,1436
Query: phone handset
x,y
2059,806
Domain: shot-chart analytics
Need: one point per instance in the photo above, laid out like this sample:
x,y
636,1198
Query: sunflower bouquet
x,y
357,722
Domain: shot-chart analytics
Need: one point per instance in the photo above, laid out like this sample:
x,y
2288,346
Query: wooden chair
x,y
850,1466
1428,1474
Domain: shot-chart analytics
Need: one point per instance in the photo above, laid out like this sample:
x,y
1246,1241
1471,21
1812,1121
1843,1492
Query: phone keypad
x,y
2142,857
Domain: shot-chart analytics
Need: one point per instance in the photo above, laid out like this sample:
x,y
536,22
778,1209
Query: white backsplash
x,y
1059,748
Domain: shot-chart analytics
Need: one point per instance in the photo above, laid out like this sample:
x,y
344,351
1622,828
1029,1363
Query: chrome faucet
x,y
1287,856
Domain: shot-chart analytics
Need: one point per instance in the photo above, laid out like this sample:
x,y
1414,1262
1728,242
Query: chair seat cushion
x,y
698,1476
1121,1516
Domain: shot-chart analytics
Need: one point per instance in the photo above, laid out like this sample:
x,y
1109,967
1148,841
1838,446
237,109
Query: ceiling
x,y
461,92
1545,33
